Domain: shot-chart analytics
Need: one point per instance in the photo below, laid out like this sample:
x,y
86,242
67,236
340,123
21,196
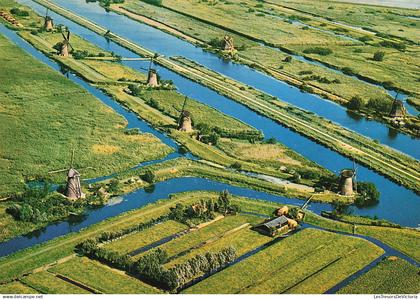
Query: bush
x,y
149,177
379,56
19,12
134,89
365,38
348,71
318,50
287,59
368,194
356,103
389,44
236,166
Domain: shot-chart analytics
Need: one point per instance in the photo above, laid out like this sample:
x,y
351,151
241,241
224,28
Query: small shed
x,y
273,226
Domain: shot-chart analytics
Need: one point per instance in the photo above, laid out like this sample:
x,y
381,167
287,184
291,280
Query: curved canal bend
x,y
168,45
397,203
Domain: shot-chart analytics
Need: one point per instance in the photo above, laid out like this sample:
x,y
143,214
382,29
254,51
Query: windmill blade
x,y
46,14
85,168
68,35
63,36
56,171
70,46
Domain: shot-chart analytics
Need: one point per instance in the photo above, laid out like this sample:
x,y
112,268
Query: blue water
x,y
168,45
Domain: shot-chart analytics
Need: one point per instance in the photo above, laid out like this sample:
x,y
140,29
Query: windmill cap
x,y
347,173
72,172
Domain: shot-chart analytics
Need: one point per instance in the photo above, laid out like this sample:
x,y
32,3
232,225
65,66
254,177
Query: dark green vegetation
x,y
391,276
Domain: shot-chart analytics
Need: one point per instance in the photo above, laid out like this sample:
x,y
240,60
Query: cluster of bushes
x,y
39,205
320,79
217,43
390,44
19,12
378,56
150,266
154,2
204,210
368,194
106,3
318,50
78,54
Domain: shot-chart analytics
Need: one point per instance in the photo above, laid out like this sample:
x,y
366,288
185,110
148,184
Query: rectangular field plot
x,y
145,237
243,240
310,261
391,276
102,278
214,229
16,287
48,283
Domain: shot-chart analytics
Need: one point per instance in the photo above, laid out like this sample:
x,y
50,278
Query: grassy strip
x,y
391,276
286,263
49,284
102,278
16,287
145,237
243,240
189,240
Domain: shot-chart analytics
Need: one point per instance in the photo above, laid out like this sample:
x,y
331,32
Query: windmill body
x,y
398,109
48,24
65,45
185,124
73,187
228,43
346,182
152,79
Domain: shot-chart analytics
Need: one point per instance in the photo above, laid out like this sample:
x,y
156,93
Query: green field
x,y
16,287
147,236
391,276
310,261
201,235
45,122
102,278
48,283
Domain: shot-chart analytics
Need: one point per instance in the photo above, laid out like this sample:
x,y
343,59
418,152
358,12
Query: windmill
x,y
65,44
48,22
347,181
184,120
228,43
152,75
73,187
397,109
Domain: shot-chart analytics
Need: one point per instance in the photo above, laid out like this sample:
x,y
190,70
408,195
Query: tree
x,y
378,56
368,194
356,103
340,208
149,177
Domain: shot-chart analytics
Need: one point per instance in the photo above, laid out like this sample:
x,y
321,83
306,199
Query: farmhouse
x,y
274,226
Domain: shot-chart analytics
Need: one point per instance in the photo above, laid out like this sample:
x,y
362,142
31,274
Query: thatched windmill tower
x,y
346,182
48,22
185,124
184,120
397,110
65,45
228,43
73,187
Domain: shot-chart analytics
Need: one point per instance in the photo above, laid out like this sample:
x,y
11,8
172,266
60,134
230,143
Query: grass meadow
x,y
391,276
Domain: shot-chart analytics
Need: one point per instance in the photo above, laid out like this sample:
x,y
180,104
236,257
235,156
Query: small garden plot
x,y
184,243
286,263
145,237
16,287
48,283
102,278
391,276
243,240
